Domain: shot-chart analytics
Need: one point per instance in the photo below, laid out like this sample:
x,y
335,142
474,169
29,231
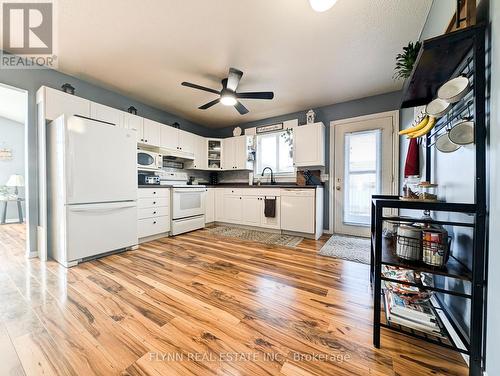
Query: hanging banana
x,y
426,129
416,128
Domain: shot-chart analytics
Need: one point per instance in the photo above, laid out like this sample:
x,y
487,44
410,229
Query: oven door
x,y
147,160
188,202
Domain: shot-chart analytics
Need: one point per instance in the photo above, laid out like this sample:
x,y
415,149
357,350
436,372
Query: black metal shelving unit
x,y
440,59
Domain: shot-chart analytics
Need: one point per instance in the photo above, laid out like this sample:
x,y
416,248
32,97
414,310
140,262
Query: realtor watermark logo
x,y
28,35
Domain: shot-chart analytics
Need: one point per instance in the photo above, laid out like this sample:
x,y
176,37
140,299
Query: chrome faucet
x,y
272,176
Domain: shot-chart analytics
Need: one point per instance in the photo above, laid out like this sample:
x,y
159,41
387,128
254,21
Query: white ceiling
x,y
13,105
145,49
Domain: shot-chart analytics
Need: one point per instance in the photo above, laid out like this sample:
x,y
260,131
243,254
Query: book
x,y
417,311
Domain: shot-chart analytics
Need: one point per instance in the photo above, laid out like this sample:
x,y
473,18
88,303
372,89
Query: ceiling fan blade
x,y
209,104
241,109
199,87
256,95
233,79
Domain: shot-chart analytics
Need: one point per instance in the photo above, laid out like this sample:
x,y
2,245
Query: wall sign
x,y
269,128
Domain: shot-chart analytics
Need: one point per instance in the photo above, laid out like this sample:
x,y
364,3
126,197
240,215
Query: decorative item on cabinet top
x,y
237,132
176,125
67,88
310,117
132,110
269,128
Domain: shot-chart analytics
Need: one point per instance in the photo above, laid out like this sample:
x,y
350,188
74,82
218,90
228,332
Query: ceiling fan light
x,y
322,5
228,100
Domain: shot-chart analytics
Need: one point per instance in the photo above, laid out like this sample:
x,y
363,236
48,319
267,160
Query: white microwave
x,y
149,161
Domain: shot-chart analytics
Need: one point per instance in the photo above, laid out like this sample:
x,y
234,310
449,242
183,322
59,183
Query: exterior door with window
x,y
364,159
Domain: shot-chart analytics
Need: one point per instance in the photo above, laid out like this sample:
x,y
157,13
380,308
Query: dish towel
x,y
412,165
270,207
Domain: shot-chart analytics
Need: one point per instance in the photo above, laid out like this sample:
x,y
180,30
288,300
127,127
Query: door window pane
x,y
362,175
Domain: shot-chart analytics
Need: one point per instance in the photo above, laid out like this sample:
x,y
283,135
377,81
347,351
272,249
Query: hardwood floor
x,y
198,305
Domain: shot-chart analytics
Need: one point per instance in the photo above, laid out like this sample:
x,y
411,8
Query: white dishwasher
x,y
298,210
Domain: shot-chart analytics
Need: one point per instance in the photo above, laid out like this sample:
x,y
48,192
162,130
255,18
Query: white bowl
x,y
445,145
454,90
437,108
462,133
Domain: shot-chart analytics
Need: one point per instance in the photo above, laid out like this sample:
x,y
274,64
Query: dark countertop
x,y
152,186
242,185
245,185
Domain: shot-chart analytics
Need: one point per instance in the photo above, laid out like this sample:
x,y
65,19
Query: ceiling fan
x,y
228,95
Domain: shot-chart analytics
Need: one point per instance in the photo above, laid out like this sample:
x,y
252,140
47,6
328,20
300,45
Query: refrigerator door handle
x,y
93,208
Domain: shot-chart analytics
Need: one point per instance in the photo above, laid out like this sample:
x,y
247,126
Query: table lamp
x,y
15,181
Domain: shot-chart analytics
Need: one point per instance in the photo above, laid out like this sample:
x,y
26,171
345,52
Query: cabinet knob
x,y
154,222
154,202
154,212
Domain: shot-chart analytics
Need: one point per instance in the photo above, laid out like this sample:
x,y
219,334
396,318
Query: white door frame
x,y
395,159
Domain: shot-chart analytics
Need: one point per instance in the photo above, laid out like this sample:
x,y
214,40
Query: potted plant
x,y
406,60
288,136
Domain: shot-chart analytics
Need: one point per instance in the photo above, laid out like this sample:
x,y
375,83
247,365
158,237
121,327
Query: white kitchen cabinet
x,y
200,161
151,134
251,210
169,138
131,121
233,209
270,222
228,162
298,210
107,114
153,213
235,156
186,141
210,205
309,145
219,205
54,103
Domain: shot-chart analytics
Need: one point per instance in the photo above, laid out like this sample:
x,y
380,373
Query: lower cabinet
x,y
297,210
210,205
153,212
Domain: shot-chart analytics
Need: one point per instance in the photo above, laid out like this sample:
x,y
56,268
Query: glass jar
x,y
428,191
411,187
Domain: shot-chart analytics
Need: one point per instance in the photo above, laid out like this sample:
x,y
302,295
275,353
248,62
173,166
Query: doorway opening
x,y
13,170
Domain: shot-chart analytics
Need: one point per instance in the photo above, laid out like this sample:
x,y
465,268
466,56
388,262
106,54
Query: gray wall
x,y
493,325
359,107
12,137
31,80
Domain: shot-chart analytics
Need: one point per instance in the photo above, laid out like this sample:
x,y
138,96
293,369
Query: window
x,y
362,175
274,151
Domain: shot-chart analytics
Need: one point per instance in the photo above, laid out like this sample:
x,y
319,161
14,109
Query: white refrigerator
x,y
92,189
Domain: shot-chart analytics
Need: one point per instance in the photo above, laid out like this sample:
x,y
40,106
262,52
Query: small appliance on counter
x,y
147,178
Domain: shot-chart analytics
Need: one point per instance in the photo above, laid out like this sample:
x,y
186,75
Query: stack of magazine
x,y
407,305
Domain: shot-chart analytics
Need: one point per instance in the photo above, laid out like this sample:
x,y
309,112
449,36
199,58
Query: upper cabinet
x,y
186,141
200,161
134,122
107,114
169,138
54,103
152,133
236,153
309,145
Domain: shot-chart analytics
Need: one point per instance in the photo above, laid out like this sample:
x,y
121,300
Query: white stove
x,y
187,202
176,180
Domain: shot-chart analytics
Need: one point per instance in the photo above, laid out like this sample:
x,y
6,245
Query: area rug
x,y
347,248
256,236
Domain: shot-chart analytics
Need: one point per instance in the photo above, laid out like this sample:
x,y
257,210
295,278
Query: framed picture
x,y
269,128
